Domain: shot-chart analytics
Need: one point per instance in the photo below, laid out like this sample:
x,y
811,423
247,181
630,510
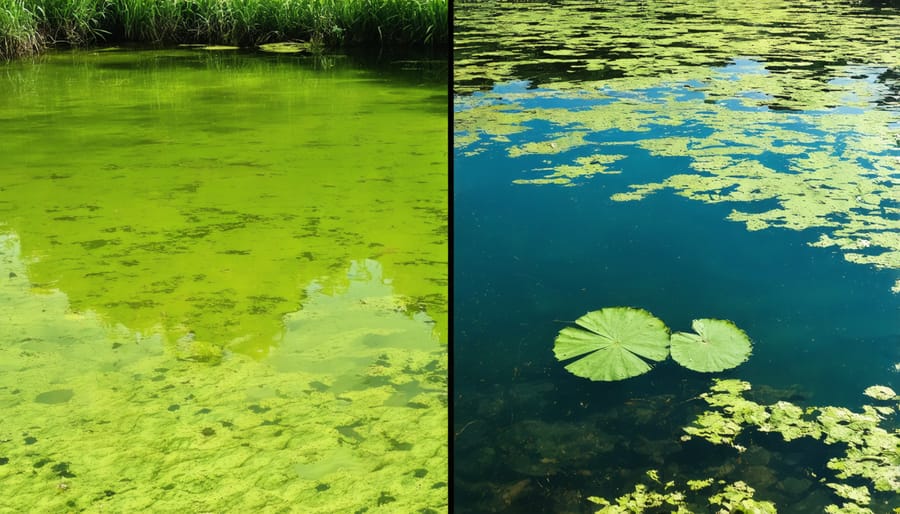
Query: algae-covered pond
x,y
224,282
698,160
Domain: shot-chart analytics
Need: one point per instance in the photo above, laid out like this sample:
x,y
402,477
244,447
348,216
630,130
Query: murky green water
x,y
224,283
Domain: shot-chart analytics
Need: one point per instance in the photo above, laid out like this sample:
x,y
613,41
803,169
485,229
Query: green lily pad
x,y
717,345
616,344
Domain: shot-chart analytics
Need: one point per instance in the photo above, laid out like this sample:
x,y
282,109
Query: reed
x,y
74,22
27,26
18,30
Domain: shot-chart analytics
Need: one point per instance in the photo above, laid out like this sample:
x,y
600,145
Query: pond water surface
x,y
698,160
224,283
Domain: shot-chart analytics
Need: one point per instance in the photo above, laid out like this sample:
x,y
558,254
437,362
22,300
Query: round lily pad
x,y
717,345
616,343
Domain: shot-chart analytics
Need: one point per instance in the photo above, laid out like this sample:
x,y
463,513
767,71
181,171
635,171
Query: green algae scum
x,y
731,168
224,283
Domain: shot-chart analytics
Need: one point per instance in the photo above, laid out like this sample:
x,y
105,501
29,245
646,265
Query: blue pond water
x,y
530,259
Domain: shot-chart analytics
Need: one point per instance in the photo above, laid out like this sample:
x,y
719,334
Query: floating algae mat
x,y
204,190
224,284
701,161
819,139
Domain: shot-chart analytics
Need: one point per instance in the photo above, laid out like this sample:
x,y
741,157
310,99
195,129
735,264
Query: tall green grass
x,y
26,26
74,22
18,29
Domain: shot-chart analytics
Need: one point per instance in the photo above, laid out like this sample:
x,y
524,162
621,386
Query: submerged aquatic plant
x,y
617,342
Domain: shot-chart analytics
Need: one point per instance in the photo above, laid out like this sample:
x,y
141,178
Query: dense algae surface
x,y
800,133
99,416
223,283
202,191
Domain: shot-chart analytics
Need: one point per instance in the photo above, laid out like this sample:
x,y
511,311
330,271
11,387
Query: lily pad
x,y
616,344
717,345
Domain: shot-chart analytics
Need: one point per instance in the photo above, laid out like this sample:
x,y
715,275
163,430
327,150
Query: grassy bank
x,y
27,26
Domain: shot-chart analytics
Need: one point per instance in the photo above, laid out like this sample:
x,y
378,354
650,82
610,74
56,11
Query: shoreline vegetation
x,y
28,27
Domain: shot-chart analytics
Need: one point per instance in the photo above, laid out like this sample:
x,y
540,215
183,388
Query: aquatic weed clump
x,y
28,28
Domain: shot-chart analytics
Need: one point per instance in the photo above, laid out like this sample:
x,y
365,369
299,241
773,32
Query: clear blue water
x,y
530,259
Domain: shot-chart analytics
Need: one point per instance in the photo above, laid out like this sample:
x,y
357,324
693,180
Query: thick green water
x,y
224,283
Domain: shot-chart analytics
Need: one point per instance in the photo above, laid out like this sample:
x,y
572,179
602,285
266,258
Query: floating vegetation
x,y
584,167
872,451
615,339
842,191
819,147
133,427
210,230
880,393
717,345
617,342
562,44
219,48
613,119
291,47
734,497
